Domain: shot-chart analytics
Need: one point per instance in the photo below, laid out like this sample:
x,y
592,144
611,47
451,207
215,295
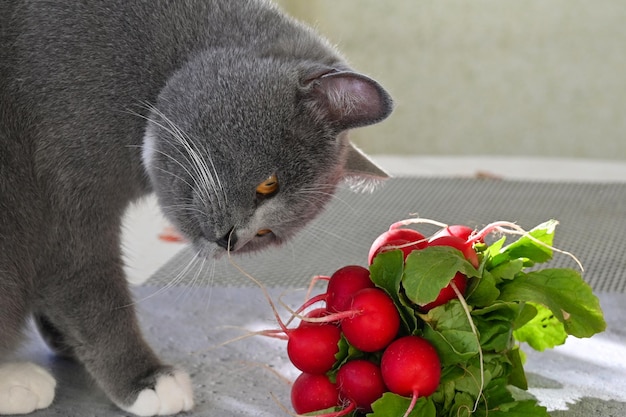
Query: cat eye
x,y
268,187
263,232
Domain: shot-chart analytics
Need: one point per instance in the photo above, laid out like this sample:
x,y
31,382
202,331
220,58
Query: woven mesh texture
x,y
592,226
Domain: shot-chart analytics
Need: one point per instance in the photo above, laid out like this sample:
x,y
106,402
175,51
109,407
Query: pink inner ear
x,y
350,99
350,96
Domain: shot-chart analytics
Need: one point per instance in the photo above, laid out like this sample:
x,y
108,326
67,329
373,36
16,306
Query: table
x,y
186,320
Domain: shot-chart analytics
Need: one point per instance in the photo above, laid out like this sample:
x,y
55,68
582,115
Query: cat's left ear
x,y
360,172
359,164
348,99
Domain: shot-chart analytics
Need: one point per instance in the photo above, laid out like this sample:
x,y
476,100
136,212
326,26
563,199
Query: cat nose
x,y
228,241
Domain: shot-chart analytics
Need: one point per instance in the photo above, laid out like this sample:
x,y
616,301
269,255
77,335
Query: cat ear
x,y
348,99
360,172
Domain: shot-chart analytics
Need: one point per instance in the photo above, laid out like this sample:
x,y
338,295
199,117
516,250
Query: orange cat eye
x,y
268,187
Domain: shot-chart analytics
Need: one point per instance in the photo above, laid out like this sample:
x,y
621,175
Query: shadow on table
x,y
588,407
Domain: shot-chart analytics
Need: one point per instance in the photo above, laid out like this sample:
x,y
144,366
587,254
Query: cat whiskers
x,y
206,173
175,160
321,194
185,209
198,278
203,171
190,265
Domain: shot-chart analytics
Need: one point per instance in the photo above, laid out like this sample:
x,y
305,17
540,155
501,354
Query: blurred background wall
x,y
487,77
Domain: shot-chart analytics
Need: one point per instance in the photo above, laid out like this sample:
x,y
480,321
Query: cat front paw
x,y
24,388
171,394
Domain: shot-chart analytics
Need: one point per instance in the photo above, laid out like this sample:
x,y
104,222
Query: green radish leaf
x,y
532,248
460,386
507,270
524,408
517,377
444,396
495,248
392,405
448,330
527,314
564,292
346,353
495,324
323,412
386,272
543,332
461,403
482,290
499,400
429,270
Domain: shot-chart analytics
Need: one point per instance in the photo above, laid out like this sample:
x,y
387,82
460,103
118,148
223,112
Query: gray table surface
x,y
189,307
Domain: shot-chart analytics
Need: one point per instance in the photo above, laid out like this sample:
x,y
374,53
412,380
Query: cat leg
x,y
53,336
96,322
24,387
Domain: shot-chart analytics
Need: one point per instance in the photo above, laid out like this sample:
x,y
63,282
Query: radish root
x,y
263,289
274,333
412,404
314,281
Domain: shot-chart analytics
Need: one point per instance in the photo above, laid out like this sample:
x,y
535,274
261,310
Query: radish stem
x,y
480,350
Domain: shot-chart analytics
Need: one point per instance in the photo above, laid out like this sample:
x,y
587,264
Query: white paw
x,y
24,388
171,395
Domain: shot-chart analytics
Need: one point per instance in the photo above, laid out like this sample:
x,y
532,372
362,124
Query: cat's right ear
x,y
347,99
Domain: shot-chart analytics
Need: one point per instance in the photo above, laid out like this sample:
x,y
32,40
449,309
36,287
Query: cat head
x,y
243,154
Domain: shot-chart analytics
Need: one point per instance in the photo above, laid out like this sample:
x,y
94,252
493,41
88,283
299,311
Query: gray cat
x,y
232,113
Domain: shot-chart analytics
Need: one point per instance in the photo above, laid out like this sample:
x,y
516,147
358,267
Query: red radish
x,y
343,284
456,242
374,323
408,240
360,381
340,288
410,366
312,349
456,230
311,392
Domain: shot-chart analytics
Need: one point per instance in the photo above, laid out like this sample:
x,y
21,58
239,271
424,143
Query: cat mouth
x,y
234,243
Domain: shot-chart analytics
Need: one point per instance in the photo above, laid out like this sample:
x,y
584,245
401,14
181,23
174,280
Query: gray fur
x,y
225,93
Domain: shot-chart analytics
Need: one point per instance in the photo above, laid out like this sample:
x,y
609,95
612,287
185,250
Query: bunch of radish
x,y
367,319
434,325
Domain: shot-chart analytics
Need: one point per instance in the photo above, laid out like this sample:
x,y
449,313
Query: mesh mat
x,y
592,226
